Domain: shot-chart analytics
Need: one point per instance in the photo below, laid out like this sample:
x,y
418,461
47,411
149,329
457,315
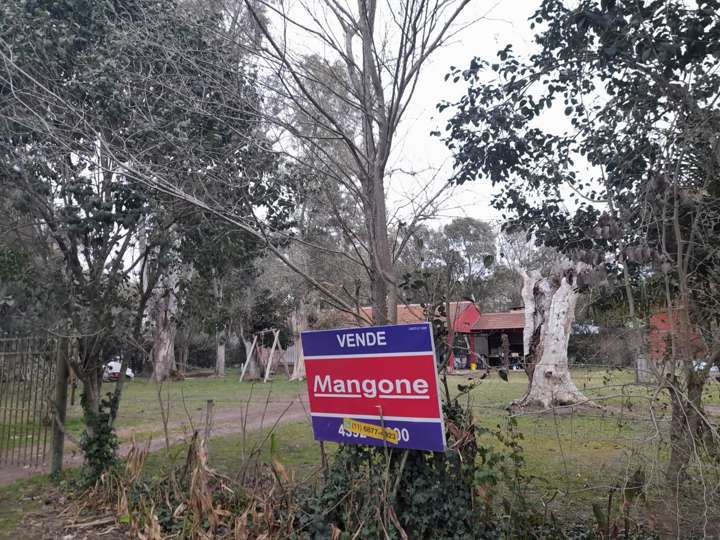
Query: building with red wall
x,y
476,336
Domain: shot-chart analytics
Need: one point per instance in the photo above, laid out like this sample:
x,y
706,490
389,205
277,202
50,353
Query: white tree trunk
x,y
221,334
165,327
253,369
549,316
220,341
299,323
529,303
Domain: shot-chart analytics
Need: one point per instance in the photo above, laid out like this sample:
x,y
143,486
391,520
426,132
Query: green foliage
x,y
101,97
470,491
98,442
13,263
271,311
638,85
454,261
635,157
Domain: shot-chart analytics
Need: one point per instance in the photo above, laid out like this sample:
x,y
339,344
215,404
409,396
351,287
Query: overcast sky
x,y
505,21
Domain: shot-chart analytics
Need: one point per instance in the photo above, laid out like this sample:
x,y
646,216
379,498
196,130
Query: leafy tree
x,y
452,262
95,99
474,240
60,177
638,85
28,267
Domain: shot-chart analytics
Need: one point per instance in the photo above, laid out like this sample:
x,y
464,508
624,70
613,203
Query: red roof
x,y
464,321
412,313
465,316
500,321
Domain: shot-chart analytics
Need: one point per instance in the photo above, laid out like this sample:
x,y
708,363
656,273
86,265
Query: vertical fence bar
x,y
36,421
4,381
45,396
22,391
49,400
24,409
59,414
40,396
15,401
25,403
7,437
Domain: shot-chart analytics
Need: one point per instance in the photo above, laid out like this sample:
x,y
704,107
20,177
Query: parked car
x,y
701,365
111,372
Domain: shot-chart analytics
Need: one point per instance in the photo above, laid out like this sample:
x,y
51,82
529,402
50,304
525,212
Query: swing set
x,y
255,349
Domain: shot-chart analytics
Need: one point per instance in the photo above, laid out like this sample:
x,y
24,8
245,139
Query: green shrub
x,y
469,491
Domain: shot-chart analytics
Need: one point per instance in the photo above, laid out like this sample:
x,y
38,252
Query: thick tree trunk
x,y
165,328
529,281
163,352
220,341
90,397
551,314
687,425
183,360
253,370
183,343
221,334
383,288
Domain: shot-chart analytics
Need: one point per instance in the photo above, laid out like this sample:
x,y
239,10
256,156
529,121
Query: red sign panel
x,y
378,375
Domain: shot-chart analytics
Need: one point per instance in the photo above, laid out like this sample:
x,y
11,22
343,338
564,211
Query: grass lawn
x,y
20,500
577,457
140,406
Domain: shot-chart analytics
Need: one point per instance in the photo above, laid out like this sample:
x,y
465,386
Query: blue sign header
x,y
400,338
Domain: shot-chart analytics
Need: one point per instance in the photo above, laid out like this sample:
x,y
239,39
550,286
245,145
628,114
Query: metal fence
x,y
27,383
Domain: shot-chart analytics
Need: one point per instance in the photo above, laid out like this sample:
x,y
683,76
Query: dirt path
x,y
225,422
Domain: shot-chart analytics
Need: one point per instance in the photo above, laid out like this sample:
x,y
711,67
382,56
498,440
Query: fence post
x,y
60,406
208,419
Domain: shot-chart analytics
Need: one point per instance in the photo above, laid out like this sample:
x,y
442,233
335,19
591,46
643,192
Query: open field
x,y
142,402
577,457
185,401
141,405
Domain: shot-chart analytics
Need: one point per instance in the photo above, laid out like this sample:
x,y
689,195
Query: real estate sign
x,y
375,385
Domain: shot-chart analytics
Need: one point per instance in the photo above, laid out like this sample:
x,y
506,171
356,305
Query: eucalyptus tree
x,y
101,101
381,49
474,240
60,177
223,262
638,85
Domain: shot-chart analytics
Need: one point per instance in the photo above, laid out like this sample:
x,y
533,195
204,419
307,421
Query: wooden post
x,y
73,387
270,357
248,356
60,405
208,420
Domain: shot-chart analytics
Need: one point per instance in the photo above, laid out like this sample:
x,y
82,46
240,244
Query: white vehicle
x,y
701,365
111,372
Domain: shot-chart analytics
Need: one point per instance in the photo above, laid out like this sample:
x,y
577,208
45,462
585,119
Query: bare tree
x,y
382,49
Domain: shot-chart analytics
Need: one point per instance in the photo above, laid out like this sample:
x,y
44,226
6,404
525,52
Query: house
x,y
412,313
476,336
660,335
